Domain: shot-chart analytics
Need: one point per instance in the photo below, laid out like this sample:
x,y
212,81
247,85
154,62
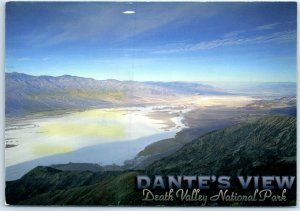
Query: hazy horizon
x,y
188,81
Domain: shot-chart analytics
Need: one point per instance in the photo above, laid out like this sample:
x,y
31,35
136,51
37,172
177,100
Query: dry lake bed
x,y
103,136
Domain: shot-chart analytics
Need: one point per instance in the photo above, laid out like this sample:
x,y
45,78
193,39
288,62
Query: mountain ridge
x,y
26,93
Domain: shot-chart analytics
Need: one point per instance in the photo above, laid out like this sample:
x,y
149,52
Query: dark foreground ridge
x,y
266,146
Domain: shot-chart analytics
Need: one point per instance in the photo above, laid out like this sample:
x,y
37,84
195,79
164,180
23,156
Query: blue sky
x,y
155,41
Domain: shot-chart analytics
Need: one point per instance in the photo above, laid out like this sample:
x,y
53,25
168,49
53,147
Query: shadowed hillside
x,y
245,147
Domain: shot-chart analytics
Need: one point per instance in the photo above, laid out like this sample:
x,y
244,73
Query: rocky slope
x,y
246,147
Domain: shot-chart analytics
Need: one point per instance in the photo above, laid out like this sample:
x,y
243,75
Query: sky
x,y
154,41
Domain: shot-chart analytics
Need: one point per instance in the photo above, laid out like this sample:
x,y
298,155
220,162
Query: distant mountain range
x,y
26,93
265,146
